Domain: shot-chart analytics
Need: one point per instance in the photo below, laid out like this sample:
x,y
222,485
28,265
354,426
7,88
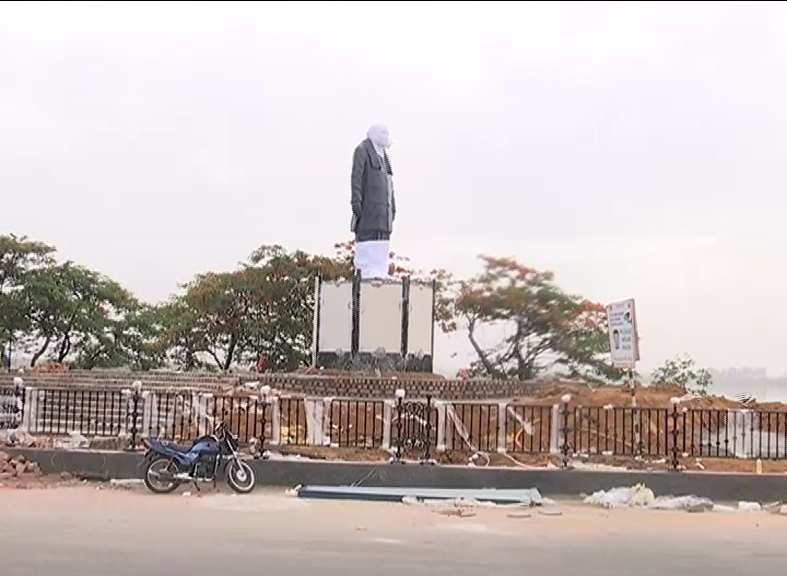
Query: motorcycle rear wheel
x,y
240,477
152,477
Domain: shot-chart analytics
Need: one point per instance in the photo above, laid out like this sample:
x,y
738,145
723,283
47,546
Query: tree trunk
x,y
41,351
219,363
482,356
230,353
65,348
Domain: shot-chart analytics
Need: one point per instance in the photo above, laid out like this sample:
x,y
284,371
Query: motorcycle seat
x,y
168,445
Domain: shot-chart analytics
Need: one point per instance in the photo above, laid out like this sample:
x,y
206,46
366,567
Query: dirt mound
x,y
551,392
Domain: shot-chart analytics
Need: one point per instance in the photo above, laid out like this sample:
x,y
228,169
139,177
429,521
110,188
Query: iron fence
x,y
11,405
417,426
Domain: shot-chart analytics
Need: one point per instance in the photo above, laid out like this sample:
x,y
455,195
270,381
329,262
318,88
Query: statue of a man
x,y
373,203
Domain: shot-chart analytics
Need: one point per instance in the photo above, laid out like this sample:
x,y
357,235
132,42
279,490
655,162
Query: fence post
x,y
30,414
265,391
502,419
426,457
275,403
19,401
565,449
399,394
135,400
675,463
554,431
314,410
327,416
146,411
388,406
442,422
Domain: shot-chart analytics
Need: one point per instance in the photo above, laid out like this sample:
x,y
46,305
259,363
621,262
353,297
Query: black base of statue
x,y
368,362
355,360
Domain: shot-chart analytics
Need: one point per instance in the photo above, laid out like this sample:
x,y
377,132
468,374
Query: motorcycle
x,y
168,465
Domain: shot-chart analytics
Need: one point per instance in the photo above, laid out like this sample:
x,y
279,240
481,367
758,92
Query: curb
x,y
106,465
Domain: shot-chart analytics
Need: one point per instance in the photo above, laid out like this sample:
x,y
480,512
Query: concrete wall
x,y
338,386
97,465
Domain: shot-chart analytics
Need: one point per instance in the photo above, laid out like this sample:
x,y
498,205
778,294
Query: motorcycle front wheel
x,y
240,477
158,477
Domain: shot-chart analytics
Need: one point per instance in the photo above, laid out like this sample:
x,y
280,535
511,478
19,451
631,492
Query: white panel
x,y
381,317
419,335
336,320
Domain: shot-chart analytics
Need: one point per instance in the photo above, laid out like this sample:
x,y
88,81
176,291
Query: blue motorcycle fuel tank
x,y
205,446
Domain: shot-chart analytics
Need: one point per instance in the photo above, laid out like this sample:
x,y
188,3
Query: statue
x,y
373,203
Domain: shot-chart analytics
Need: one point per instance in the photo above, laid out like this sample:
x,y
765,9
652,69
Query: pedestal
x,y
387,325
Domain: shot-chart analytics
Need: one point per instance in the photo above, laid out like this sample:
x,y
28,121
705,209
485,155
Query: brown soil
x,y
647,397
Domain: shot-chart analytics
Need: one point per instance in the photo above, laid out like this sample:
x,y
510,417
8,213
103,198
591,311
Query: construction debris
x,y
640,496
17,467
776,508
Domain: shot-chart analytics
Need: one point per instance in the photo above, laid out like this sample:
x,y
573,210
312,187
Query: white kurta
x,y
371,258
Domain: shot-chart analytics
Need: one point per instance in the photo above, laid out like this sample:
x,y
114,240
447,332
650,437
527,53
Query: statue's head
x,y
379,135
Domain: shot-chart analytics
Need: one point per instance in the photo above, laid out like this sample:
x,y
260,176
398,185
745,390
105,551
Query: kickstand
x,y
196,486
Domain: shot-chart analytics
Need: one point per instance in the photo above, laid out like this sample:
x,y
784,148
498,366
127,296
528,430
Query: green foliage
x,y
20,257
66,312
682,371
262,309
544,326
63,312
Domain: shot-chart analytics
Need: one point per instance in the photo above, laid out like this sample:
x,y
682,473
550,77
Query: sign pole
x,y
634,414
624,351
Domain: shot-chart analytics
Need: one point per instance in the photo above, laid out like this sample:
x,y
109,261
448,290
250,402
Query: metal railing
x,y
12,400
400,425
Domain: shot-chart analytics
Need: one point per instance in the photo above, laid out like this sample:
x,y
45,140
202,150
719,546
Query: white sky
x,y
633,148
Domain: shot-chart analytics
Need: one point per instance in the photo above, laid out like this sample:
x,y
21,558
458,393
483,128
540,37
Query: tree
x,y
263,308
682,371
71,309
19,257
132,340
544,326
216,318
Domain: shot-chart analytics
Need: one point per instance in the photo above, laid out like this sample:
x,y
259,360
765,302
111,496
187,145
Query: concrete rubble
x,y
72,441
18,438
465,507
640,496
776,508
17,467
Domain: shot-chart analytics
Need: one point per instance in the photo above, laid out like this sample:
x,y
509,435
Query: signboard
x,y
623,336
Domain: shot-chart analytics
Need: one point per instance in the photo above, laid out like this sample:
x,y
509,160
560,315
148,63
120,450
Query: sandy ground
x,y
91,532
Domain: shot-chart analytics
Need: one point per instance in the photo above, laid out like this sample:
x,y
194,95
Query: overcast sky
x,y
635,149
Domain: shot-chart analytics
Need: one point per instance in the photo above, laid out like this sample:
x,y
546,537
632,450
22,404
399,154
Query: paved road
x,y
93,532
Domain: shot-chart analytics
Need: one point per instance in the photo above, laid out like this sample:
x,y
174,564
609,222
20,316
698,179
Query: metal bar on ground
x,y
510,496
